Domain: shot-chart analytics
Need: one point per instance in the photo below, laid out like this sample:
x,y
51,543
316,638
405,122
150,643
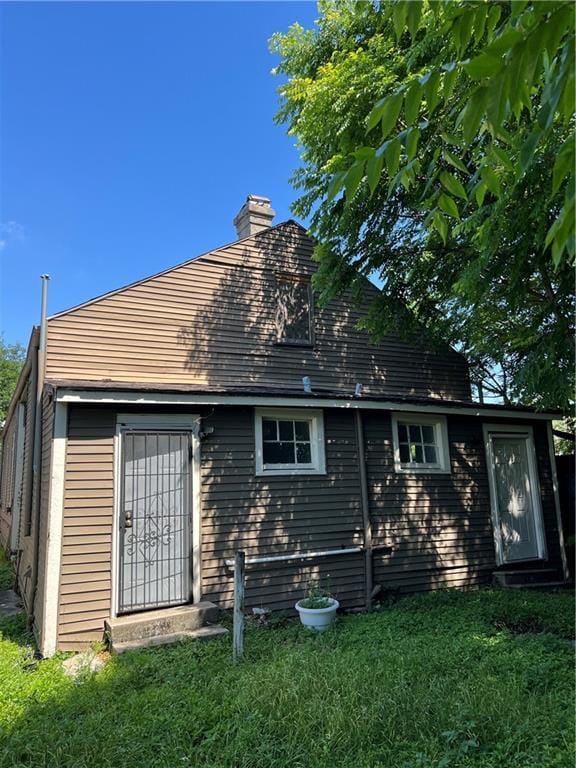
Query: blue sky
x,y
130,136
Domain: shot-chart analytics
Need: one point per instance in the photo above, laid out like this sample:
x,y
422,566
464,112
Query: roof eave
x,y
111,392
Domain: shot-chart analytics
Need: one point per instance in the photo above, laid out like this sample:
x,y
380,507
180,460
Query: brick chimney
x,y
255,215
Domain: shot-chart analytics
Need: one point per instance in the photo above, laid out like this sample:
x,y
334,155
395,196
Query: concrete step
x,y
166,621
541,585
510,578
203,633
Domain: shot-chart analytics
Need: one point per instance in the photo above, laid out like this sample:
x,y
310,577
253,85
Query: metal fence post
x,y
238,632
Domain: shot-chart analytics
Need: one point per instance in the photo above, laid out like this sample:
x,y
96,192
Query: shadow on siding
x,y
231,340
429,531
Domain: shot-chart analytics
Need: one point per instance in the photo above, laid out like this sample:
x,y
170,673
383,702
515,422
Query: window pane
x,y
404,453
269,429
303,453
416,452
302,430
286,430
430,453
278,453
415,433
402,433
428,434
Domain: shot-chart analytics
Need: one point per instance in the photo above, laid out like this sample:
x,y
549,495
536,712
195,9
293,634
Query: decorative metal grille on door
x,y
155,541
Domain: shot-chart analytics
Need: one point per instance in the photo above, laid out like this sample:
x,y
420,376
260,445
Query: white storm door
x,y
515,497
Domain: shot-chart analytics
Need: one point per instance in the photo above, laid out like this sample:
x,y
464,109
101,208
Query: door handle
x,y
127,518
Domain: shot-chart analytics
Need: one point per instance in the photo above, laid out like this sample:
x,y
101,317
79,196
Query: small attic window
x,y
293,310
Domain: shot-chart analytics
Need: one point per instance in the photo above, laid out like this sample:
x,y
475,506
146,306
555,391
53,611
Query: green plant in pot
x,y
318,608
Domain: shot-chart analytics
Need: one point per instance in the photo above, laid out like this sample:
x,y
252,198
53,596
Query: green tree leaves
x,y
515,65
12,358
453,185
448,205
485,65
412,102
390,110
437,143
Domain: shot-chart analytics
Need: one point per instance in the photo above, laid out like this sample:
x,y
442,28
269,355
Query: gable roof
x,y
213,321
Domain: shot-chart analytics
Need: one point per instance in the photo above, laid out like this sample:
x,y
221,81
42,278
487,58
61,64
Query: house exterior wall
x,y
27,555
86,562
27,479
212,322
547,493
25,395
28,488
10,487
429,531
7,479
237,510
43,488
276,515
433,531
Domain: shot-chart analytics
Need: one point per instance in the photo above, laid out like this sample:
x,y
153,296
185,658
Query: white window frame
x,y
316,419
442,467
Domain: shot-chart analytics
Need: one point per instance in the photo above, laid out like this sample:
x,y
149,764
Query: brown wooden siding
x,y
431,531
547,493
279,515
85,577
260,515
7,478
45,482
25,393
25,554
27,457
212,322
35,515
435,531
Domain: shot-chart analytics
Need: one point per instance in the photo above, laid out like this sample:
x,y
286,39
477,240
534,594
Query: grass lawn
x,y
447,679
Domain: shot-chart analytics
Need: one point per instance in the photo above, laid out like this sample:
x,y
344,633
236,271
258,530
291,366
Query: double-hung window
x,y
289,441
420,443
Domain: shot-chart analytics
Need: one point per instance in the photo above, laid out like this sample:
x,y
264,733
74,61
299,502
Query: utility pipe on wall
x,y
298,556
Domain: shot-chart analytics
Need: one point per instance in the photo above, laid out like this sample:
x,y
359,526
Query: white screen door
x,y
515,497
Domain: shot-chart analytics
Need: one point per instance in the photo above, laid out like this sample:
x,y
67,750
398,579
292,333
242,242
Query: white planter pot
x,y
318,619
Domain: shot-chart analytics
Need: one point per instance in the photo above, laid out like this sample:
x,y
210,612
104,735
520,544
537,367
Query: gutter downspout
x,y
37,454
365,508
